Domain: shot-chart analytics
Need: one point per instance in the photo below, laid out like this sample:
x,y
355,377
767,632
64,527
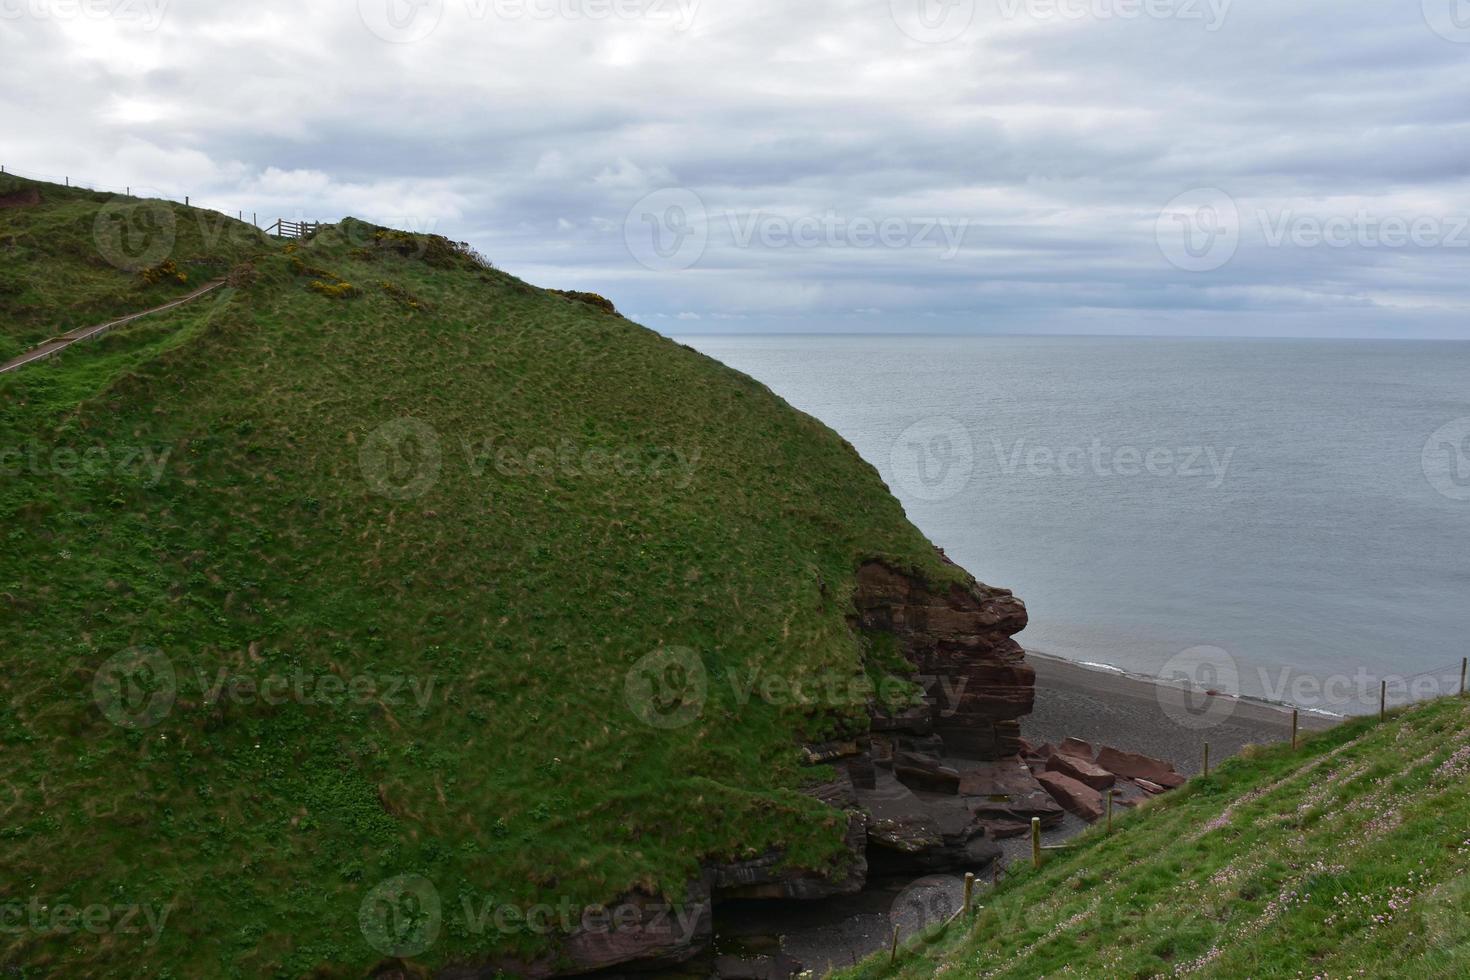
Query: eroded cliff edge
x,y
959,639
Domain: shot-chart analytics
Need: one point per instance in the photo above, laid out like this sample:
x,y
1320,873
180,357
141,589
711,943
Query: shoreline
x,y
1106,705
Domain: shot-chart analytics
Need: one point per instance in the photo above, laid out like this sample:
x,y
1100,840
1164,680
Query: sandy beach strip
x,y
1109,707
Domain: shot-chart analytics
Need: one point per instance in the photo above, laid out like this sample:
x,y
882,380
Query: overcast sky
x,y
1280,167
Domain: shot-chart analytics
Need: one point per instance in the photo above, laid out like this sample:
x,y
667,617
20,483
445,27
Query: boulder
x,y
1008,792
1076,797
917,770
1081,770
1150,787
1136,766
1076,747
1005,829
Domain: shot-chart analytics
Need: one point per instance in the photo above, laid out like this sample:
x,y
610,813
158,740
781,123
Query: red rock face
x,y
959,641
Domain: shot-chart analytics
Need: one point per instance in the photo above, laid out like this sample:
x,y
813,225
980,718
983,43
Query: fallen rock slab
x,y
1073,796
1136,766
1082,770
1076,747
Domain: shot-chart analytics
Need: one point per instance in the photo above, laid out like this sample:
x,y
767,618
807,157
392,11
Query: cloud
x,y
1022,158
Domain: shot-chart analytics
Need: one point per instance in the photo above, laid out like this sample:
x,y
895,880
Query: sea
x,y
1278,519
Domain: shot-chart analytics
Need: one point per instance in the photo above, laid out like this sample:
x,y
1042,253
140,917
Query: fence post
x,y
1036,842
893,949
1207,758
969,891
1383,701
1293,729
186,200
1464,663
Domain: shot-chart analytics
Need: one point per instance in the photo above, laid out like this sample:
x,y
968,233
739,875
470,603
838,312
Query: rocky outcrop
x,y
909,833
768,876
1006,796
959,640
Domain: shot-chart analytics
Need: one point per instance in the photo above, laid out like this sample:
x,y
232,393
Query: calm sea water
x,y
1281,519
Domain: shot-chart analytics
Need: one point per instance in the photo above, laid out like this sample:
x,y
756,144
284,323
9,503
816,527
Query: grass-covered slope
x,y
81,257
437,514
1349,857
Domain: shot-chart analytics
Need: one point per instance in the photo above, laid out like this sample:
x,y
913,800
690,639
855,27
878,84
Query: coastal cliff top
x,y
378,562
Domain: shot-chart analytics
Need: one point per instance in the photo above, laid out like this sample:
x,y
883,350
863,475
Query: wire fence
x,y
141,192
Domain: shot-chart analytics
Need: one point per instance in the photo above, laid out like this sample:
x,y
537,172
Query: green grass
x,y
80,258
1345,858
233,517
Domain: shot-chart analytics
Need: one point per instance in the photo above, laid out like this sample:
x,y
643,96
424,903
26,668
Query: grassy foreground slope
x,y
1349,857
451,511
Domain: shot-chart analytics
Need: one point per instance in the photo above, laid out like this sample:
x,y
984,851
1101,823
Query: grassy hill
x,y
450,512
1349,857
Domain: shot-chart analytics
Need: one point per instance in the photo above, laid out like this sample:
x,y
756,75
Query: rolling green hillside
x,y
342,573
1349,857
